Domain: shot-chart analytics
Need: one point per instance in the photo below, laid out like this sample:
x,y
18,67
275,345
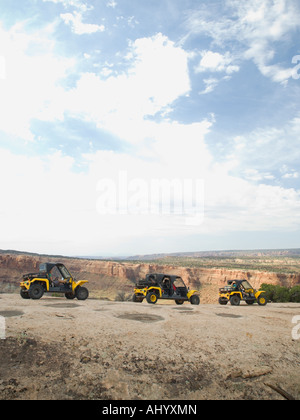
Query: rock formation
x,y
121,276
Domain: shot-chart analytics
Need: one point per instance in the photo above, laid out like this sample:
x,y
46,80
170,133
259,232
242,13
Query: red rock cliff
x,y
13,266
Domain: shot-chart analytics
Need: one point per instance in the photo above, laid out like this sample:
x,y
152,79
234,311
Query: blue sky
x,y
96,93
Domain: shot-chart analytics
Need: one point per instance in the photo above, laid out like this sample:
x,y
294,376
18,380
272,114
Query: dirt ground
x,y
60,349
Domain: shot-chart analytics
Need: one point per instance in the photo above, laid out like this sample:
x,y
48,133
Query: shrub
x,y
123,297
281,294
295,294
276,293
269,291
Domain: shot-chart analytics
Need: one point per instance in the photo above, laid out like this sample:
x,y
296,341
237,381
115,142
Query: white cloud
x,y
78,27
2,68
111,3
31,79
210,84
261,53
75,16
35,198
288,173
216,62
234,204
294,175
267,153
158,75
76,4
255,175
255,27
71,224
160,70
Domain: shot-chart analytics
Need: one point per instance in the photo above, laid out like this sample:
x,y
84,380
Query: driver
x,y
167,285
56,281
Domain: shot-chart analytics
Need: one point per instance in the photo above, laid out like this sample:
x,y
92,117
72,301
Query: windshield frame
x,y
246,285
178,282
64,271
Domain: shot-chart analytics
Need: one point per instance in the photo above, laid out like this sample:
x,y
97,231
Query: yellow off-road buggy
x,y
237,290
52,277
163,286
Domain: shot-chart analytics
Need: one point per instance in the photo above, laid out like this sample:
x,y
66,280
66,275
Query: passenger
x,y
234,285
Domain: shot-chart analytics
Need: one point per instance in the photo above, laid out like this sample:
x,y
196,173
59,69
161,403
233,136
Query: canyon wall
x,y
123,275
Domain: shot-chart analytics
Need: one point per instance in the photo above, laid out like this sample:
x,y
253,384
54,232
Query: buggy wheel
x,y
223,301
151,298
24,294
81,293
235,300
36,291
249,302
195,300
70,295
179,302
261,300
137,299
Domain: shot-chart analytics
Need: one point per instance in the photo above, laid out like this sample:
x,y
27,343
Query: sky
x,y
137,127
